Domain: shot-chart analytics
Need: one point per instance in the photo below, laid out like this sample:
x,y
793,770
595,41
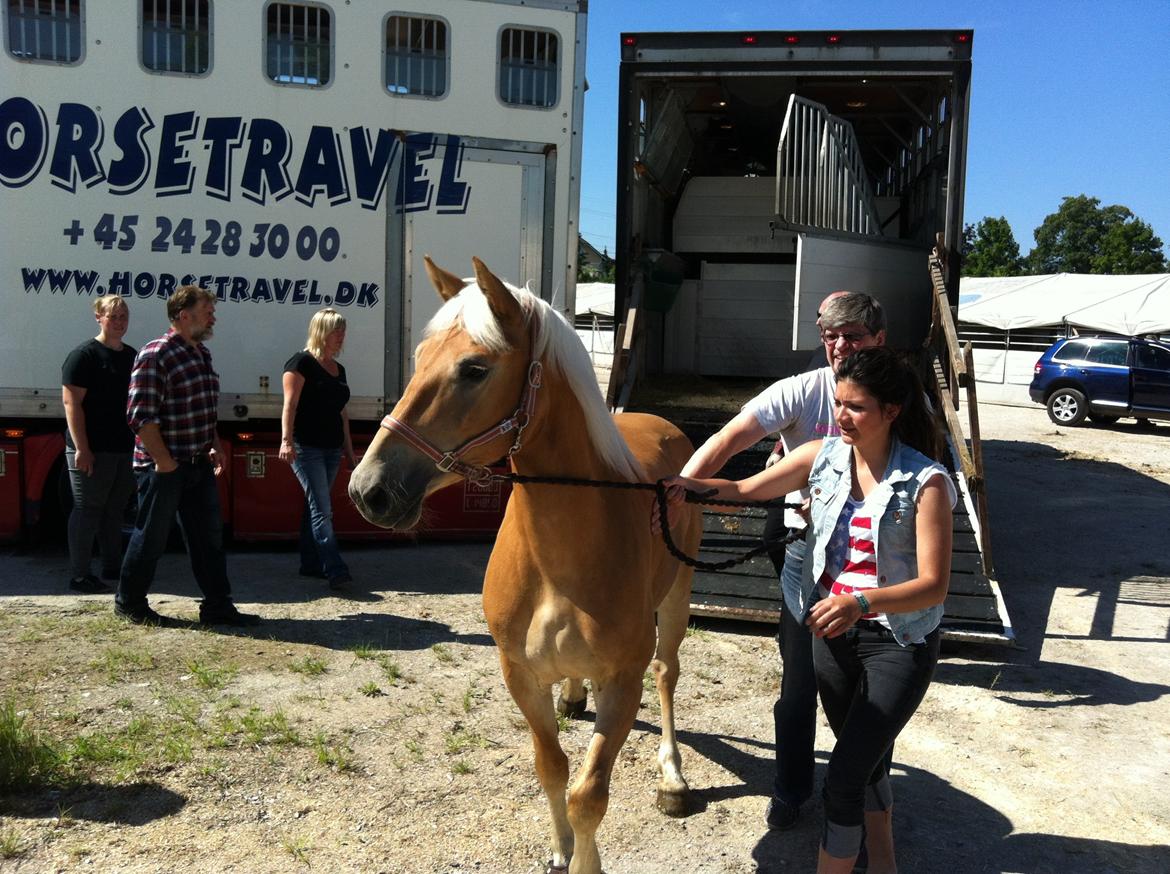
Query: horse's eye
x,y
471,371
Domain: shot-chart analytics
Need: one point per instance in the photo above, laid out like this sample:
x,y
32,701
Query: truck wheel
x,y
1103,420
1066,406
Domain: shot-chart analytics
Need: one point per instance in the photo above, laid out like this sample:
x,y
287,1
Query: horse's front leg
x,y
552,765
673,615
617,702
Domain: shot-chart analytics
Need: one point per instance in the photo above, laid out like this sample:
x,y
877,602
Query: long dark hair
x,y
887,376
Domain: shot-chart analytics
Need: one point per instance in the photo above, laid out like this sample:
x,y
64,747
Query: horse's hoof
x,y
571,709
672,803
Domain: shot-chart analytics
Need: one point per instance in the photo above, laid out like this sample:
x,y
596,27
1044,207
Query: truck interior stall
x,y
758,172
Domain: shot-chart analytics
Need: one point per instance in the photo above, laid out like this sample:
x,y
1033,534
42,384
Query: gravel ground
x,y
373,733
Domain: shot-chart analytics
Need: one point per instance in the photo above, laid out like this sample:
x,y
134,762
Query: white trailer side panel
x,y
281,198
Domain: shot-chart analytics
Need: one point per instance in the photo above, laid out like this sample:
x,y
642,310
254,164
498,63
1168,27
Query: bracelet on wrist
x,y
862,602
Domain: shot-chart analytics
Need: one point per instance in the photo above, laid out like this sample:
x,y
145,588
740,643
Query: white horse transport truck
x,y
287,156
759,171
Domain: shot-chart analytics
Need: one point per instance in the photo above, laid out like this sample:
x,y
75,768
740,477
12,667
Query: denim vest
x,y
895,540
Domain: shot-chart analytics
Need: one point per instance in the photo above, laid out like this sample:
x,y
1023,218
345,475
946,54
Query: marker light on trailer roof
x,y
629,40
749,39
833,38
792,39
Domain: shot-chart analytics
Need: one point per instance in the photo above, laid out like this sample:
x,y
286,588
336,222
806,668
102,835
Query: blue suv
x,y
1103,378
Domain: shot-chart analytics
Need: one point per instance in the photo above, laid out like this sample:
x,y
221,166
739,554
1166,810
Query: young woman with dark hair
x,y
874,582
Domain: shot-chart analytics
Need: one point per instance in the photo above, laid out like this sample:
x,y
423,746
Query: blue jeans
x,y
316,469
190,493
99,509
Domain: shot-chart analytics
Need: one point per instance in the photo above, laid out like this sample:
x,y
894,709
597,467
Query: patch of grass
x,y
26,758
365,651
461,766
414,748
118,662
310,666
442,653
212,676
187,709
370,690
298,848
11,846
470,695
462,739
563,722
392,671
339,757
696,631
268,729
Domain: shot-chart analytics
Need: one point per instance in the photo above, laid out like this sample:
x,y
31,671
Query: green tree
x,y
1130,247
990,249
1084,237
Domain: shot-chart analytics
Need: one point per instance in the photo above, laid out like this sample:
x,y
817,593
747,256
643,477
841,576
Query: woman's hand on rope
x,y
834,615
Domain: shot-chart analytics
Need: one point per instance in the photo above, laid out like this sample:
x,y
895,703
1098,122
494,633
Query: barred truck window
x,y
417,57
176,36
45,30
299,44
529,66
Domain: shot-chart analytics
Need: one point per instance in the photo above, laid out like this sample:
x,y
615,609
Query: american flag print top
x,y
850,560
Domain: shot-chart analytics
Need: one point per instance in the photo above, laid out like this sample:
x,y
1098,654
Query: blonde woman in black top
x,y
314,437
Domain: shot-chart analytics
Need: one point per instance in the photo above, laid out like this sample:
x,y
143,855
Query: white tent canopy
x,y
1138,304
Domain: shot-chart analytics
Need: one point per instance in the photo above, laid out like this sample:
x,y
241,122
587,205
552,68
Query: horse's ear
x,y
446,284
503,305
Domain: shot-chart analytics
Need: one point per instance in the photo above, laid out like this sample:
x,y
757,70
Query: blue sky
x,y
1067,97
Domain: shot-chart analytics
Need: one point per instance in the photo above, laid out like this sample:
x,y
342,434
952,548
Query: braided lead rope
x,y
660,493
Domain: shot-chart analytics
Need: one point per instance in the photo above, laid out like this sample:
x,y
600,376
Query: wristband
x,y
862,601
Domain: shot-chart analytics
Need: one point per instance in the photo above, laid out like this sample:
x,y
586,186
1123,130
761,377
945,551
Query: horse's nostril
x,y
377,500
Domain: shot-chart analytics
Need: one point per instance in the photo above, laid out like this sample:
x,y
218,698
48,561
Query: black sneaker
x,y
142,616
780,815
88,585
228,615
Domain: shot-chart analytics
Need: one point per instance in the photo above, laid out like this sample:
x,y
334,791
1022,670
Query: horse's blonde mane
x,y
561,349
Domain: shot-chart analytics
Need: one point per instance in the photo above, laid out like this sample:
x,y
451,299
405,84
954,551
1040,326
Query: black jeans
x,y
795,711
870,686
190,492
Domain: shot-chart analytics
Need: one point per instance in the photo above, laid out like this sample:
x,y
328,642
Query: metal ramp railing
x,y
821,180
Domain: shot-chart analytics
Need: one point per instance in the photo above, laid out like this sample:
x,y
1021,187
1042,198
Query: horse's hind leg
x,y
673,614
617,703
552,766
571,701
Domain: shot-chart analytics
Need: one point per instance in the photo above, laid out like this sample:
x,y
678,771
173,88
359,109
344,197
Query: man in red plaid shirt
x,y
174,391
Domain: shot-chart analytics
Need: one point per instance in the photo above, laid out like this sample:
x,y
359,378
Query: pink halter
x,y
450,461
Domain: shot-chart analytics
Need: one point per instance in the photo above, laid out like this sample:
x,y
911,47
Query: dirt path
x,y
373,733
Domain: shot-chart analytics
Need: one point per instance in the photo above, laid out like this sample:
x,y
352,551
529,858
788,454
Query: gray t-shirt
x,y
800,408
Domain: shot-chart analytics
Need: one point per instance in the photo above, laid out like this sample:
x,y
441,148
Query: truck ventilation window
x,y
44,30
416,56
176,36
529,61
299,44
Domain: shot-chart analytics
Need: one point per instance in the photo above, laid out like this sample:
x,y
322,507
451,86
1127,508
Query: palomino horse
x,y
575,577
